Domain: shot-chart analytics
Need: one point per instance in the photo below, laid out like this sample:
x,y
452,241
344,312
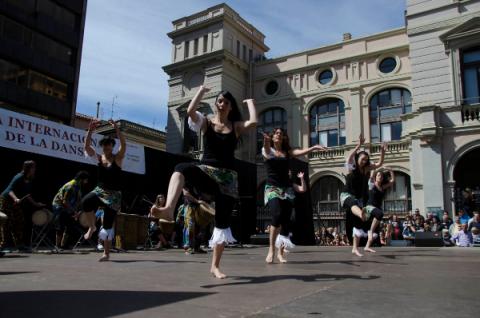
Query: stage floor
x,y
317,282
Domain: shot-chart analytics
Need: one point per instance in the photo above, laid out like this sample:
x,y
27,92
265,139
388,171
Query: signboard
x,y
40,136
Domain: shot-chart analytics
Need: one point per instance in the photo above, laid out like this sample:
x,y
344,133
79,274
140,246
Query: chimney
x,y
347,36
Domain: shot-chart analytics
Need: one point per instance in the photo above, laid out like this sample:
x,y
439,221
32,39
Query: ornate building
x,y
396,86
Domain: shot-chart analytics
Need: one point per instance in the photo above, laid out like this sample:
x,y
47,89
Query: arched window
x,y
398,199
386,107
268,120
327,123
326,195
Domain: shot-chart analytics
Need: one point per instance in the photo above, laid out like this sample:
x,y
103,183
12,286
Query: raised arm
x,y
351,158
267,145
192,107
242,127
302,187
123,144
378,164
300,152
88,140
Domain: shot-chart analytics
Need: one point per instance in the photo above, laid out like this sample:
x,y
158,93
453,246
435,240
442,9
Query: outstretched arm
x,y
192,107
302,187
241,127
88,140
304,151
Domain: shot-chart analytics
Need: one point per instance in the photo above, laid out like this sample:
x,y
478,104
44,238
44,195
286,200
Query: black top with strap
x,y
375,197
357,185
109,177
219,148
277,171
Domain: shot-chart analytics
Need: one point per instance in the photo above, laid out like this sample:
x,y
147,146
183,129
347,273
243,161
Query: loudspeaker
x,y
428,239
260,239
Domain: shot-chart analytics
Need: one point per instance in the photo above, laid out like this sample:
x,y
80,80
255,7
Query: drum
x,y
42,217
131,230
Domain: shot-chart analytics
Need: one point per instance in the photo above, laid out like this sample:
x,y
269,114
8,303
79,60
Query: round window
x,y
271,88
325,77
387,65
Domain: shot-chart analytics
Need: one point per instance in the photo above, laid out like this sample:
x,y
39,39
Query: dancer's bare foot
x,y
356,252
217,273
368,249
269,259
281,258
90,232
104,258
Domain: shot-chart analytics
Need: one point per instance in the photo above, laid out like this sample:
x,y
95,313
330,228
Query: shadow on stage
x,y
126,261
349,262
248,280
86,303
16,273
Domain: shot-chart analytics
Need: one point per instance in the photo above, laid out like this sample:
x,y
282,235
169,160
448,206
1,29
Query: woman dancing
x,y
214,174
355,193
377,185
279,189
107,193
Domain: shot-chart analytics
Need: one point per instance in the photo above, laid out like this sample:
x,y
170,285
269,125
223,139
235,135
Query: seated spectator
x,y
435,226
408,220
446,221
419,225
417,215
396,233
463,238
474,225
408,231
455,227
463,217
383,239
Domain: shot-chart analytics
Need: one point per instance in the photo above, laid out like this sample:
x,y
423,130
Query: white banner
x,y
32,134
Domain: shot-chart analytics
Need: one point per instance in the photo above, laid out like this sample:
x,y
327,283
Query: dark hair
x,y
107,140
285,140
28,165
234,114
157,200
358,154
82,175
385,175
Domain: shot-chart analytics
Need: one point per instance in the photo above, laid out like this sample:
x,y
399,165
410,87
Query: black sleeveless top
x,y
277,171
109,177
357,185
375,197
219,148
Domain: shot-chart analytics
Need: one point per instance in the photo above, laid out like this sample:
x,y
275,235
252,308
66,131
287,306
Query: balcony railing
x,y
392,147
331,153
470,112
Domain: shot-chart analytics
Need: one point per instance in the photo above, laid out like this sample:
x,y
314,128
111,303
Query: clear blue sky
x,y
125,43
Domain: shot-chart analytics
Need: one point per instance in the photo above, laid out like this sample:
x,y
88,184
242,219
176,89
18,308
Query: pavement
x,y
317,282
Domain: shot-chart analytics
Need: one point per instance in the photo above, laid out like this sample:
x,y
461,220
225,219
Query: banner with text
x,y
32,134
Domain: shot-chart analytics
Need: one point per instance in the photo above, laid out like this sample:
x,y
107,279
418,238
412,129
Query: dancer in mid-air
x,y
355,193
378,184
215,173
107,193
280,190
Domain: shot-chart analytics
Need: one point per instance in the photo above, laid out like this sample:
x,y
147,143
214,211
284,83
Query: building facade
x,y
380,86
40,56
